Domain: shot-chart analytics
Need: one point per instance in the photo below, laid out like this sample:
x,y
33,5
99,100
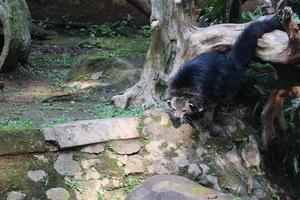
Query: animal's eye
x,y
184,110
169,103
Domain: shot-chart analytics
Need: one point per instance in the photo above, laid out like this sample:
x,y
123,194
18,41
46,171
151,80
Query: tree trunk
x,y
15,19
176,39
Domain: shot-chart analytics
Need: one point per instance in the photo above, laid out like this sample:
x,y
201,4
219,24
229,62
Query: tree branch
x,y
142,5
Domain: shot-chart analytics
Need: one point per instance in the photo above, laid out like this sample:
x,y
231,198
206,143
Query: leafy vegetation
x,y
74,184
251,16
133,182
16,124
210,13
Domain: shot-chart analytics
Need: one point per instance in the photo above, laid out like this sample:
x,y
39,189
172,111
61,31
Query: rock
x,y
174,187
65,165
194,170
58,194
36,175
14,195
41,158
250,153
94,148
90,174
128,147
87,132
134,165
155,160
157,125
97,75
86,164
19,140
115,194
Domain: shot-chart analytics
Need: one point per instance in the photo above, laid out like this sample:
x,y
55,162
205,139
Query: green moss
x,y
108,166
20,136
13,176
171,153
195,135
200,190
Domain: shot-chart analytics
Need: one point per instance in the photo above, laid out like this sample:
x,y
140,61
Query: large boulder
x,y
230,163
169,187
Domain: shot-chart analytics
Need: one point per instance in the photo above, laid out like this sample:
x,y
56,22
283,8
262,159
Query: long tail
x,y
245,46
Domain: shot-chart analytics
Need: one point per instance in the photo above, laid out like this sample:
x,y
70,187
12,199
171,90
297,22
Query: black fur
x,y
210,78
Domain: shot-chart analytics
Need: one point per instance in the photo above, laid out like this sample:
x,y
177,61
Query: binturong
x,y
212,78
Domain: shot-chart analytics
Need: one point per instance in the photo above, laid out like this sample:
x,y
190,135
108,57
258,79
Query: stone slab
x,y
87,132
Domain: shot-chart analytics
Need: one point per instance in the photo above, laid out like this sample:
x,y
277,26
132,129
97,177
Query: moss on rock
x,y
20,138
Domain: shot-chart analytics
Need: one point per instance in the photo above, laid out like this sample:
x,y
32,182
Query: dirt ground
x,y
56,84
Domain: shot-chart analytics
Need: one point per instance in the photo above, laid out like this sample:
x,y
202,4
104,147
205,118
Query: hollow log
x,y
14,34
176,39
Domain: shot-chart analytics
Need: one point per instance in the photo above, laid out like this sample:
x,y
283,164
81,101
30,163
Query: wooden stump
x,y
14,33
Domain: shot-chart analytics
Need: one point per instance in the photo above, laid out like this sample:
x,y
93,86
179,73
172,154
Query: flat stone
x,y
14,195
36,175
65,165
87,132
134,165
126,147
169,187
58,194
94,148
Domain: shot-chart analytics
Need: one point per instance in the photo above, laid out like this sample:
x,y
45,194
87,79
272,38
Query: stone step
x,y
87,132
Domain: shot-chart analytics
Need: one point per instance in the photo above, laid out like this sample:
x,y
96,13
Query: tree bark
x,y
176,39
15,19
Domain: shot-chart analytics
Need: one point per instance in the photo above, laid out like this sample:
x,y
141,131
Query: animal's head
x,y
182,107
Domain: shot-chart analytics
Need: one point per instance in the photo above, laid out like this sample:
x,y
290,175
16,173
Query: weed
x,y
171,153
251,16
61,120
210,13
100,195
105,109
54,60
132,183
236,198
44,23
146,30
75,185
16,124
103,30
103,176
108,146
